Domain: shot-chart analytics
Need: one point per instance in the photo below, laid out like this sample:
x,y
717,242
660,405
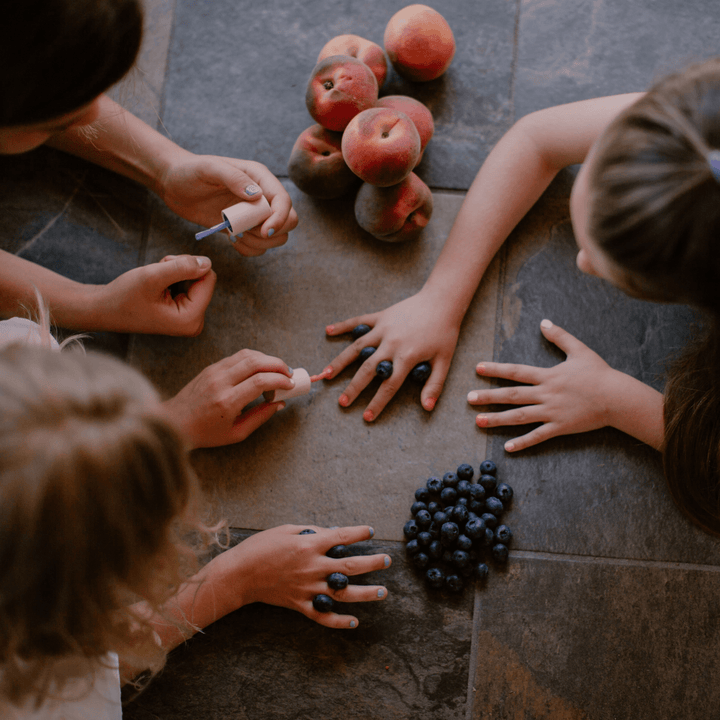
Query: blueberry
x,y
493,505
448,511
359,330
366,352
323,603
490,519
434,530
307,531
434,485
463,488
337,581
447,557
464,543
477,492
489,482
489,538
417,506
450,479
435,577
434,507
504,492
422,495
423,519
476,506
412,547
337,552
465,471
421,372
435,550
449,495
424,539
500,553
384,369
411,529
481,571
454,583
440,517
460,515
503,534
475,529
421,560
488,468
449,533
472,516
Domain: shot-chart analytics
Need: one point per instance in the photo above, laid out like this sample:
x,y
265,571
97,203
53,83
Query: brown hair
x,y
655,211
92,486
58,55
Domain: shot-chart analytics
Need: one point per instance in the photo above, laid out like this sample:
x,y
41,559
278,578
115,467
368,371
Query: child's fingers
x,y
538,435
361,564
245,363
253,386
332,620
513,395
362,378
283,220
359,593
347,535
385,392
562,338
253,239
434,384
250,421
344,326
516,416
510,371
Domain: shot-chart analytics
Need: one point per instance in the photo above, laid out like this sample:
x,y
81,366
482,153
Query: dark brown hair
x,y
655,211
58,55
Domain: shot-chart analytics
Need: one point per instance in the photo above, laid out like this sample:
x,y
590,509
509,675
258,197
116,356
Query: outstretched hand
x,y
200,187
571,397
414,330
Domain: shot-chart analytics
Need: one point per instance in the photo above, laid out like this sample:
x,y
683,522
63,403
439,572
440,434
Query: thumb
x,y
562,338
182,267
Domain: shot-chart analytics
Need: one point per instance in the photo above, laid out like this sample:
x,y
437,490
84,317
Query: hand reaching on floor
x,y
414,330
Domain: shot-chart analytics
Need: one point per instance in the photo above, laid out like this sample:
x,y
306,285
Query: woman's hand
x,y
208,411
281,567
414,330
200,187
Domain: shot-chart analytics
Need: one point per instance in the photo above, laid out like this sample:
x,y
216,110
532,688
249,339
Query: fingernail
x,y
429,404
481,421
546,324
281,406
252,190
381,593
203,262
292,381
371,531
387,561
472,397
480,369
509,446
344,400
368,416
271,232
329,328
353,624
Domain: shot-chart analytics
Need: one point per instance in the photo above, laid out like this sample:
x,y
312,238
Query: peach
x,y
395,213
339,88
381,146
365,50
419,43
416,111
316,164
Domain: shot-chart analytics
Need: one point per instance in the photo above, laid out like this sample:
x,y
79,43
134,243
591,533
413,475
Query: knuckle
x,y
353,565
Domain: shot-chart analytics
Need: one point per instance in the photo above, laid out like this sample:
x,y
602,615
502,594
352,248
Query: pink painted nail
x,y
329,329
472,397
429,404
368,416
509,446
344,400
481,420
480,369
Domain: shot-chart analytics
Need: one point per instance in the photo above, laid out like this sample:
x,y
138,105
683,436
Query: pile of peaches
x,y
361,138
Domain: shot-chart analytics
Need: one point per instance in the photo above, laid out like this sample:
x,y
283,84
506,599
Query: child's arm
x,y
580,394
279,567
425,327
196,187
137,301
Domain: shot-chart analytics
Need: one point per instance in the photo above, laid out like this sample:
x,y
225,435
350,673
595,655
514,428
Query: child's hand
x,y
412,331
281,567
141,300
208,411
200,187
572,397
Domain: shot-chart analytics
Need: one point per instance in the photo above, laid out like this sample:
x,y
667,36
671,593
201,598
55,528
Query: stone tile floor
x,y
609,605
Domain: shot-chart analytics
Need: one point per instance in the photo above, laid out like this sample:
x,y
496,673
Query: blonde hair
x,y
96,492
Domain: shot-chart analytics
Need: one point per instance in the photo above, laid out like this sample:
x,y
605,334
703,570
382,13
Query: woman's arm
x,y
425,327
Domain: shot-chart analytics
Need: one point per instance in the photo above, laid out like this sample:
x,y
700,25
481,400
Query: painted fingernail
x,y
481,421
371,531
546,324
271,232
252,190
429,404
203,262
368,416
509,446
480,369
387,561
353,624
329,328
472,397
344,400
381,593
281,406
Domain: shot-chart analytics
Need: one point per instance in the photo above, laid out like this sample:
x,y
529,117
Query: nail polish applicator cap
x,y
240,217
302,387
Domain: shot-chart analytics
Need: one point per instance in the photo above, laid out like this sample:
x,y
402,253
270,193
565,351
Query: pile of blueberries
x,y
455,525
384,369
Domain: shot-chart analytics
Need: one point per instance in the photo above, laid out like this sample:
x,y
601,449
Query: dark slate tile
x,y
74,218
579,50
599,493
246,98
409,658
572,639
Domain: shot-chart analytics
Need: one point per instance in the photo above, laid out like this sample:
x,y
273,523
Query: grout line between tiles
x,y
513,66
599,560
472,666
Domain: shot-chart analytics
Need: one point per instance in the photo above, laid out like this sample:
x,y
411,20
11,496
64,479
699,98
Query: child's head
x,y
56,58
92,483
651,216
